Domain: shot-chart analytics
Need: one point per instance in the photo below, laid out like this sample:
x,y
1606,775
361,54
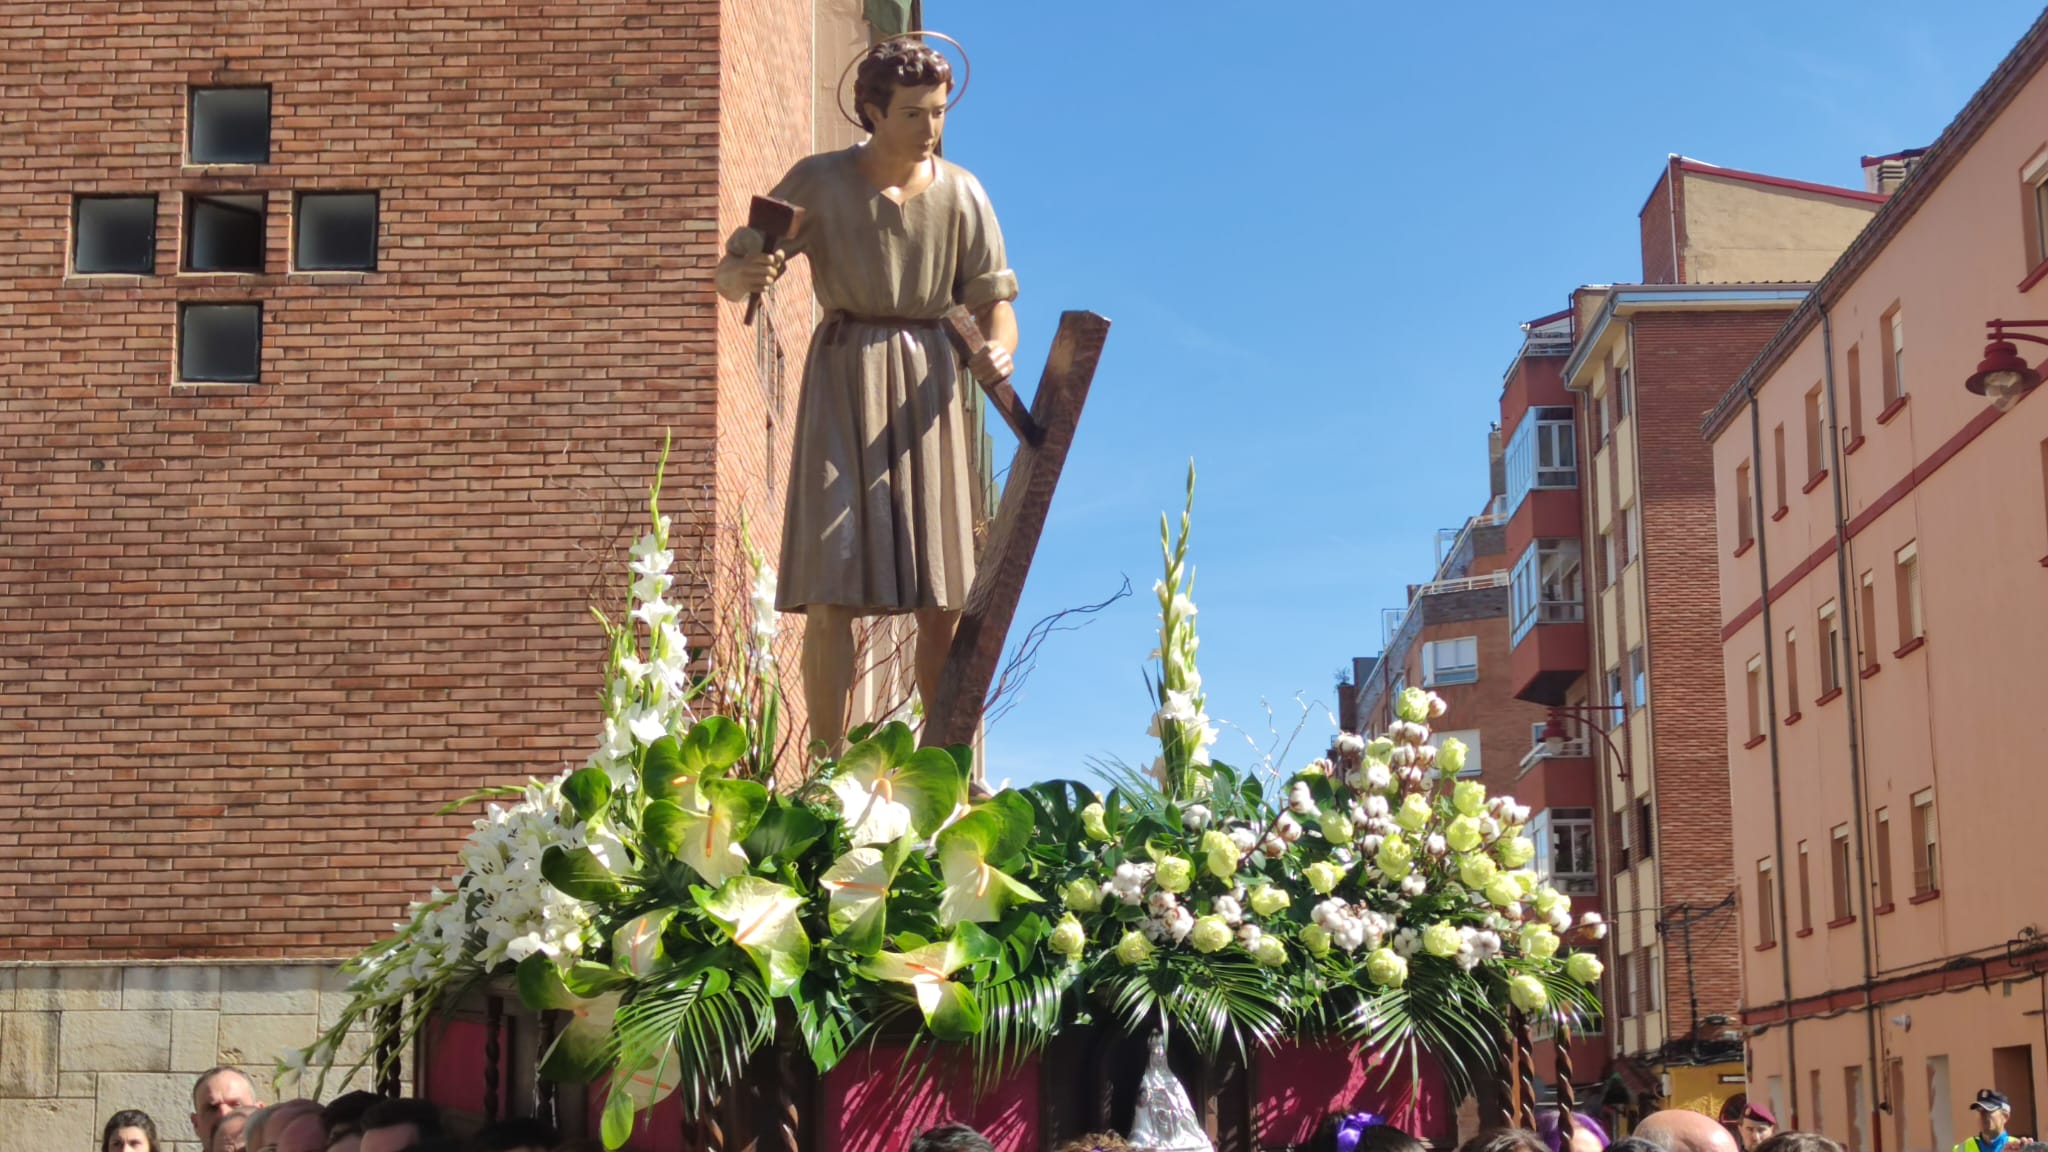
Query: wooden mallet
x,y
775,221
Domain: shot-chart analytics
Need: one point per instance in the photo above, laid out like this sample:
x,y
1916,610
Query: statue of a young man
x,y
880,516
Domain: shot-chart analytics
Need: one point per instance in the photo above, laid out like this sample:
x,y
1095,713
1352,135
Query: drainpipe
x,y
1763,576
1869,927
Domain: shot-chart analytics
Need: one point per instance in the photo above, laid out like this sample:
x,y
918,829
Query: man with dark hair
x,y
343,1120
517,1134
951,1138
219,1090
399,1125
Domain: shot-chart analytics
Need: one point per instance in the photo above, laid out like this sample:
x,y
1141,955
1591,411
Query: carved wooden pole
x,y
1567,1096
1013,538
494,1028
544,1089
788,1118
387,1051
710,1127
1525,1072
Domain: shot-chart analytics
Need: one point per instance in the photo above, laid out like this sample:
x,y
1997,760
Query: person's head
x,y
1754,1125
230,1134
219,1091
1360,1132
1993,1110
519,1134
1504,1140
1634,1144
1681,1130
1799,1142
303,1132
900,92
396,1125
266,1128
947,1138
343,1119
1095,1142
129,1131
1587,1134
253,1134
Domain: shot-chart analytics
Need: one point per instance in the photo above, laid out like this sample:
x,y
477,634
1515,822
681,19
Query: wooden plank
x,y
1013,539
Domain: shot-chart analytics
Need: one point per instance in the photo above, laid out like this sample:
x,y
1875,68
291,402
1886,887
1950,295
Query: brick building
x,y
1881,529
340,344
1620,577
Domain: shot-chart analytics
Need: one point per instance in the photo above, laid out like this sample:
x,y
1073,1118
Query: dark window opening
x,y
224,233
230,126
114,234
335,232
220,343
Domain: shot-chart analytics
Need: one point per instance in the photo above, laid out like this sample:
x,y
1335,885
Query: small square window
x,y
224,233
335,232
220,343
114,234
230,126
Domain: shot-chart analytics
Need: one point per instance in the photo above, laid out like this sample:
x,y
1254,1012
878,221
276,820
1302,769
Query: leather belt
x,y
838,320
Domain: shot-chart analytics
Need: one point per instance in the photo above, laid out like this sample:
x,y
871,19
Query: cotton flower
x,y
1249,935
1594,926
1128,882
1287,828
1350,744
1300,800
1195,817
1435,844
1161,904
1228,909
1243,838
1413,884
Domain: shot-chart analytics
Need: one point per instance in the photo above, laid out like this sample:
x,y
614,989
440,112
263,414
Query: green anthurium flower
x,y
887,788
761,917
950,1010
653,1081
582,1052
707,837
859,883
636,946
993,831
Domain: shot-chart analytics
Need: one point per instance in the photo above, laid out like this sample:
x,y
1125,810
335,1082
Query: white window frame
x,y
1927,845
1638,678
1436,671
1830,633
1543,453
1909,593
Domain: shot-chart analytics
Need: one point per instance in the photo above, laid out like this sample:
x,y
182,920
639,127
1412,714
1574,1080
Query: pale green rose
x,y
1316,939
1463,834
1210,934
1469,797
1091,823
1267,899
1386,968
1069,938
1174,874
1323,876
1528,994
1450,757
1442,939
1503,891
1527,879
1476,871
1584,967
1379,749
1549,900
1413,706
1338,828
1270,951
1414,812
1516,852
1082,895
1222,865
1216,840
1134,949
1538,942
1395,858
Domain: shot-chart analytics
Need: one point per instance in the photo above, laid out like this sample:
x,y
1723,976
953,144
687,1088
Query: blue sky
x,y
1316,239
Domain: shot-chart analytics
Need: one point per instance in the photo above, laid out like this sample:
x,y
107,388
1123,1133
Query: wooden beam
x,y
1013,538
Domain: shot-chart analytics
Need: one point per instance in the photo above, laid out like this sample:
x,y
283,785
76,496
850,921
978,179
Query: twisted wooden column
x,y
494,1028
710,1128
788,1118
1524,1073
1567,1096
543,1088
387,1052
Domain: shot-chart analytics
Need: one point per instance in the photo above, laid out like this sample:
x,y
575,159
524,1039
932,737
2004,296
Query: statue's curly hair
x,y
905,62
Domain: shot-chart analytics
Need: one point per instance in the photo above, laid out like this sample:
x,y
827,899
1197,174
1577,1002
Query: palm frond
x,y
714,1020
1018,1017
1443,1011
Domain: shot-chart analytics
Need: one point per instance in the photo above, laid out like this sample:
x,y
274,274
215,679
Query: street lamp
x,y
2003,376
1554,734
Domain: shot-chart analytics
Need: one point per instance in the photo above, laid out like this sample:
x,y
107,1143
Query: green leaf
x,y
585,979
784,832
963,756
713,745
617,1125
540,984
661,766
587,790
761,916
709,842
494,792
582,1053
577,872
711,1020
887,788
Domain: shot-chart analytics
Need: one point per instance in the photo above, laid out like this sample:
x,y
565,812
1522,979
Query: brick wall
x,y
1683,363
256,635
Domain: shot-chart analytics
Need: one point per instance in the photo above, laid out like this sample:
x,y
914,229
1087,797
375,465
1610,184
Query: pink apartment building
x,y
1883,542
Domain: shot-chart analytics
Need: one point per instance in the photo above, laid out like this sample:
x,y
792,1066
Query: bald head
x,y
1678,1130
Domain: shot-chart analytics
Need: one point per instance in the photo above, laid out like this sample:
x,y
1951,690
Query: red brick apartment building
x,y
340,342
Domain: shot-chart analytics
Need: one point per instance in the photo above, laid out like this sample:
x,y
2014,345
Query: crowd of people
x,y
228,1117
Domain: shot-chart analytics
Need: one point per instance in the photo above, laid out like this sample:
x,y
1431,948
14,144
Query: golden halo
x,y
966,73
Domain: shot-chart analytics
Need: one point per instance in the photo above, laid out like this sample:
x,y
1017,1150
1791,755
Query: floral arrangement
x,y
675,889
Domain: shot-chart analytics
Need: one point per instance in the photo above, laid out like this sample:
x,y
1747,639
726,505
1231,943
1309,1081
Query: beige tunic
x,y
880,514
